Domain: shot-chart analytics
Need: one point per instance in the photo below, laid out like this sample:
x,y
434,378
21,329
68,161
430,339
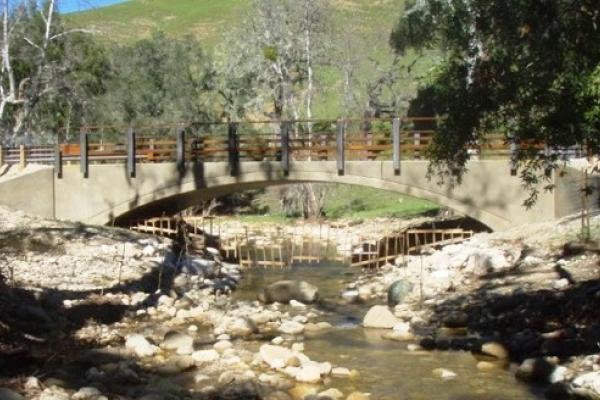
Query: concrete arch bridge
x,y
103,180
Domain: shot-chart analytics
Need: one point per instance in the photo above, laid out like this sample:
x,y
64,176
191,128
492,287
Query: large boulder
x,y
398,291
380,317
285,291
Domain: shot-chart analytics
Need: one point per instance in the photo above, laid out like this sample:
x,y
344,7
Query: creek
x,y
387,369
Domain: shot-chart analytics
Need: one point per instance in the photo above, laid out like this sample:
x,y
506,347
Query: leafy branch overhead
x,y
527,69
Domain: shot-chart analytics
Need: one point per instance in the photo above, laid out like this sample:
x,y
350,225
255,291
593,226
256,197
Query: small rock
x,y
275,356
340,372
561,284
222,345
358,396
398,292
205,356
309,374
86,393
494,349
332,394
379,317
181,343
140,346
291,327
297,304
444,373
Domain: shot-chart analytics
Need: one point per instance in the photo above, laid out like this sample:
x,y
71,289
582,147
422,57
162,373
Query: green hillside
x,y
209,20
369,22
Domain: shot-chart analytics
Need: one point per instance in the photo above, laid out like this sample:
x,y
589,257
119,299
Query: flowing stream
x,y
387,369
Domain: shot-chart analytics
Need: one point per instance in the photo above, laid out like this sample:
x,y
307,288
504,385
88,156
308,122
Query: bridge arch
x,y
488,192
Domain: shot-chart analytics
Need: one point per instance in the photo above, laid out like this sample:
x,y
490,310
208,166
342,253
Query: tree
x,y
33,56
276,52
527,69
160,80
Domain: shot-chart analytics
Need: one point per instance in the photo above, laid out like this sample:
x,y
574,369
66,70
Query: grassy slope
x,y
350,202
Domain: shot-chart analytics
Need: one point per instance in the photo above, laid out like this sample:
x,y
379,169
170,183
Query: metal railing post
x,y
22,157
131,147
285,147
341,128
58,162
84,154
180,150
233,149
396,145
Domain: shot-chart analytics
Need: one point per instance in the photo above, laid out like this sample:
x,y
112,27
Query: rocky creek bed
x,y
101,313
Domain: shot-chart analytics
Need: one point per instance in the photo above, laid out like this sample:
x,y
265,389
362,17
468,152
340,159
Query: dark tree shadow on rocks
x,y
39,334
528,323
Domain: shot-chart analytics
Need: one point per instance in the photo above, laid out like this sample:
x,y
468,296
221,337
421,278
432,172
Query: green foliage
x,y
528,70
160,80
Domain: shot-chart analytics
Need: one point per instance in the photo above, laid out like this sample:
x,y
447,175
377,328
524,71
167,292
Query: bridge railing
x,y
284,141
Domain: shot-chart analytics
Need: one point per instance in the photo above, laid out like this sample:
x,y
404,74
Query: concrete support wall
x,y
569,183
31,192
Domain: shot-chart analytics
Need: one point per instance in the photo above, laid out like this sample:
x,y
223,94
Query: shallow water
x,y
387,370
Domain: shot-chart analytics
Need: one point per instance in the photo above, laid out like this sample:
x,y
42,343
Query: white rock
x,y
222,345
297,304
148,250
379,317
340,372
299,347
350,295
309,374
86,393
332,393
140,346
277,340
276,356
181,343
589,382
559,374
205,356
561,284
291,327
444,373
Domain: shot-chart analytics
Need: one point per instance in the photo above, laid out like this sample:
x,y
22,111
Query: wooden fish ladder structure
x,y
270,248
188,230
375,253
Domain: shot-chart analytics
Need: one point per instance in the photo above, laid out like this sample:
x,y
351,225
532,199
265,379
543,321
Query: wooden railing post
x,y
22,157
1,156
131,148
180,150
396,145
341,128
285,147
513,157
233,149
417,143
58,162
84,154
